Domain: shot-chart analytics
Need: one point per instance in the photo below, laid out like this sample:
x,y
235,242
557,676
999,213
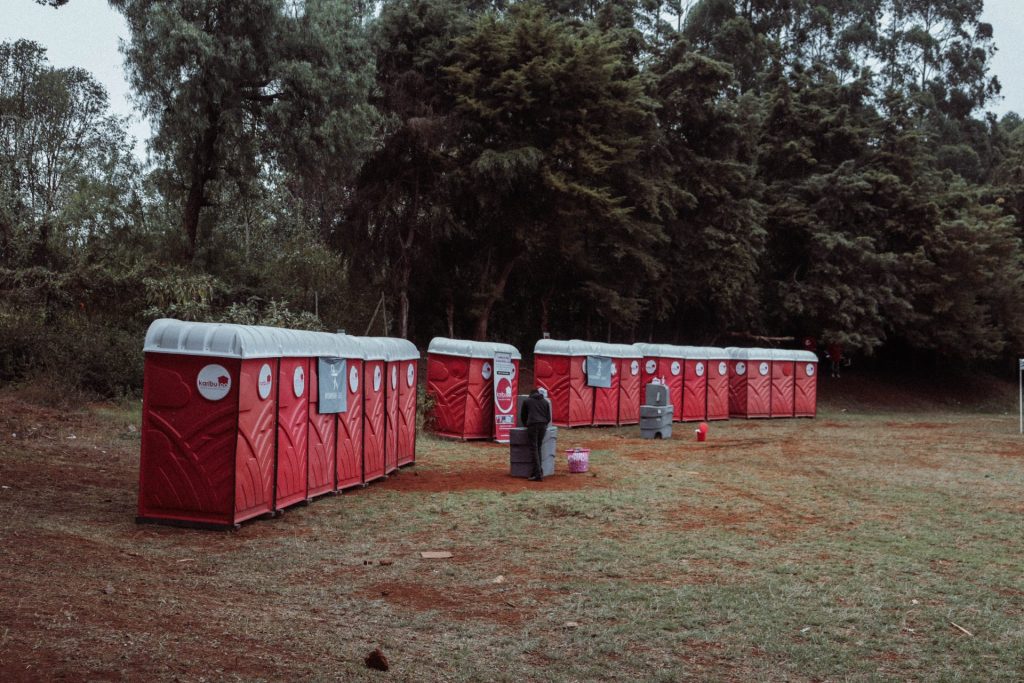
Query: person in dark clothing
x,y
535,415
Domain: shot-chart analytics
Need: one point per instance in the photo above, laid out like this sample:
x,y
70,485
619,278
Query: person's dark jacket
x,y
535,410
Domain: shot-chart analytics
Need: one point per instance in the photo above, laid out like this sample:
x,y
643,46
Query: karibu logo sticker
x,y
410,375
722,368
486,370
676,368
763,368
650,367
503,394
377,378
299,382
634,367
741,368
700,369
394,378
810,369
265,382
213,382
353,379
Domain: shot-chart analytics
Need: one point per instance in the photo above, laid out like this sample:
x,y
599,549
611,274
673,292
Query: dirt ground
x,y
862,545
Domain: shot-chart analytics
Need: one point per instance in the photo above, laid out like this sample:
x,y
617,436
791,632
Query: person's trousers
x,y
535,435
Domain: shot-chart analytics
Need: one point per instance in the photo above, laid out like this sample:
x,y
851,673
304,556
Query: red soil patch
x,y
498,604
472,477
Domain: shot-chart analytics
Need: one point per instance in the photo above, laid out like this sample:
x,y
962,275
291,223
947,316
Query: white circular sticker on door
x,y
741,368
650,366
676,368
213,382
299,382
615,368
485,371
410,374
394,378
810,369
634,367
266,381
514,371
700,369
353,379
377,378
763,368
584,366
722,368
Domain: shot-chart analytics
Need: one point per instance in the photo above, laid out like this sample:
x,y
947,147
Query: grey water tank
x,y
655,411
656,395
521,460
661,433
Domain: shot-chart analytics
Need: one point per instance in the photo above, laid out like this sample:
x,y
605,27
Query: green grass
x,y
842,548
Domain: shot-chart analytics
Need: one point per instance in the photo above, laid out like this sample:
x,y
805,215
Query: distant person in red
x,y
835,357
535,415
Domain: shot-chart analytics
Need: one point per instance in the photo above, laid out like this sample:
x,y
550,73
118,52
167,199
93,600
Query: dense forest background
x,y
696,171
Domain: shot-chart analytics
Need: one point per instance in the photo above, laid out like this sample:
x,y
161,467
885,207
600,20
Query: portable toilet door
x,y
322,437
374,408
738,376
479,414
606,400
553,371
759,402
782,383
664,363
349,451
718,383
805,389
448,367
208,423
408,358
695,384
630,383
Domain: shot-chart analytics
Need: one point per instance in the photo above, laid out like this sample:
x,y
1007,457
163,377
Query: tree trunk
x,y
404,273
202,173
496,292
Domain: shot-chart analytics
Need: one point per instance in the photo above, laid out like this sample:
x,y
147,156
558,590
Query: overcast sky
x,y
86,33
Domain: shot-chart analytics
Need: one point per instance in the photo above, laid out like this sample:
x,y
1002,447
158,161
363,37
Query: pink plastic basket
x,y
579,459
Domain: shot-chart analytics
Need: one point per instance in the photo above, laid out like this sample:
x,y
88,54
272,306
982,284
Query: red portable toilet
x,y
321,460
664,363
750,382
406,358
718,383
695,383
560,368
805,403
460,378
375,355
209,412
630,383
782,383
606,399
349,451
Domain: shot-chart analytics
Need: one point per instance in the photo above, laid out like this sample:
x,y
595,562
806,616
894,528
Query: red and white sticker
x,y
634,367
741,368
763,369
353,379
650,366
722,368
410,375
700,369
265,382
394,377
676,367
377,378
486,371
213,382
810,369
299,382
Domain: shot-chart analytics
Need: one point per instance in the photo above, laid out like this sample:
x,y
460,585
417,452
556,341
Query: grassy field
x,y
876,542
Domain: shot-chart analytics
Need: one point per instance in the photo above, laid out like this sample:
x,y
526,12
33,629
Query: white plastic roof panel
x,y
389,348
349,346
623,351
224,340
805,356
715,352
561,347
749,354
671,351
782,354
471,349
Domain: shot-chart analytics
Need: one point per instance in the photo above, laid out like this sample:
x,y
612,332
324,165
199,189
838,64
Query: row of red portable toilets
x,y
231,427
705,383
